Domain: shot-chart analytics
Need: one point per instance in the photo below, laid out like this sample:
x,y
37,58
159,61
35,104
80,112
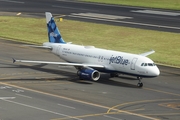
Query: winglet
x,y
147,53
14,60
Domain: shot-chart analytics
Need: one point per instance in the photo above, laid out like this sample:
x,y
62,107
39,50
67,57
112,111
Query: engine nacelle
x,y
89,74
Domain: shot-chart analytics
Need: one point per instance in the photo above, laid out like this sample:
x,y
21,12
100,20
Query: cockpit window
x,y
148,64
142,64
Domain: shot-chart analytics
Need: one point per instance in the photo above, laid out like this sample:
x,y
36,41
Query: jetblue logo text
x,y
118,60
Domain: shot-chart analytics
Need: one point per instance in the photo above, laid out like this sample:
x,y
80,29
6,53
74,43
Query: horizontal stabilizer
x,y
43,47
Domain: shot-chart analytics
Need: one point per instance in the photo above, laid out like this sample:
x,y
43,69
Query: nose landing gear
x,y
140,84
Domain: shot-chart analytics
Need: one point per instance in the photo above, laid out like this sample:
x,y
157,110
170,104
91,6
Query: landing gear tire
x,y
140,85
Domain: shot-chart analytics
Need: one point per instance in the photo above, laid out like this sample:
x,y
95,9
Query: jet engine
x,y
89,74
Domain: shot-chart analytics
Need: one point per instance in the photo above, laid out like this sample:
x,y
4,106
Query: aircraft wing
x,y
60,63
147,53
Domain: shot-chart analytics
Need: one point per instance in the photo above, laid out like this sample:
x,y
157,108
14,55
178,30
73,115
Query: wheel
x,y
140,85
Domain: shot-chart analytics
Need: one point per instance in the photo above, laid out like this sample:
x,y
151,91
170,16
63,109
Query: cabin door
x,y
58,50
133,63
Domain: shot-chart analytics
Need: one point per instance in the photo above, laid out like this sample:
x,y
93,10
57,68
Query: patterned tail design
x,y
53,32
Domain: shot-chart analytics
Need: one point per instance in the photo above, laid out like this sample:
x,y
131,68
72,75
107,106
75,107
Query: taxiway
x,y
39,91
33,91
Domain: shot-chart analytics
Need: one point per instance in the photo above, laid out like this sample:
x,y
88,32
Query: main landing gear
x,y
140,84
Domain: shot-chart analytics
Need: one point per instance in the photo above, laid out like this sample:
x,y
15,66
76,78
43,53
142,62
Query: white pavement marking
x,y
5,98
24,96
12,1
97,15
66,106
126,22
18,91
157,12
8,87
56,113
5,87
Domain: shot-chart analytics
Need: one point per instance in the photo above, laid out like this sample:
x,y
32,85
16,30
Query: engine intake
x,y
89,74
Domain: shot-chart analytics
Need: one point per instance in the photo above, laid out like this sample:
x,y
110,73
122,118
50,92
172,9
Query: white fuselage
x,y
113,61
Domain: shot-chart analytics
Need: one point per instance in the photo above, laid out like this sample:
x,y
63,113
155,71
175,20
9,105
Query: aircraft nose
x,y
156,71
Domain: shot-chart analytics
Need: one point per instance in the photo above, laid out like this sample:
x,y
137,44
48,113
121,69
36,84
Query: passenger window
x,y
142,64
145,64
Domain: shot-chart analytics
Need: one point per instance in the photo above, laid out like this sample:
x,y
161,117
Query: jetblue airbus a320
x,y
90,61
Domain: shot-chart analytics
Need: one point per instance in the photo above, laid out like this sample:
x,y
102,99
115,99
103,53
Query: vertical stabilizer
x,y
53,32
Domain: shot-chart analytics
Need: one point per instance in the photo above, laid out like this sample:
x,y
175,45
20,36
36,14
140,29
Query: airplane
x,y
90,61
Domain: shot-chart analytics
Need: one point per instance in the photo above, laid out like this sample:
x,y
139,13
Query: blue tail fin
x,y
53,32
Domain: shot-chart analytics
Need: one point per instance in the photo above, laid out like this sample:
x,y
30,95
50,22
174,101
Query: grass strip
x,y
33,30
163,4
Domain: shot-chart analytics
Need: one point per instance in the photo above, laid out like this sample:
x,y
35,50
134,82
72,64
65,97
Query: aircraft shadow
x,y
105,79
